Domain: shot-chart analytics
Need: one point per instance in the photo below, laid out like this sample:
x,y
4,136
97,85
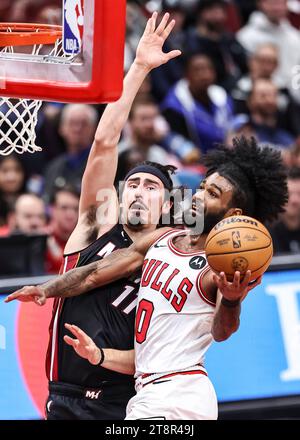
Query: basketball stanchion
x,y
18,116
72,63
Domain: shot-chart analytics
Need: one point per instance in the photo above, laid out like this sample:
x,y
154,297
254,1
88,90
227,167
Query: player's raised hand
x,y
236,290
84,346
28,294
149,52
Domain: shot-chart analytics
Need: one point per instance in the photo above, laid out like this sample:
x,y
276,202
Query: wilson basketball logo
x,y
73,22
230,220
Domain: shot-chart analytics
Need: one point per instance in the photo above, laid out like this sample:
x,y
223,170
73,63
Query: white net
x,y
18,116
18,119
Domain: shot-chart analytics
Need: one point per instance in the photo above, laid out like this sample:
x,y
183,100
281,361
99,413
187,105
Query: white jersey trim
x,y
145,379
200,290
180,253
164,235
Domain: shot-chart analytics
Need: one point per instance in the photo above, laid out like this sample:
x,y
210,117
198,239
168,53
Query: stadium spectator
x,y
262,65
196,107
294,12
210,36
295,154
49,14
149,133
167,75
240,126
29,215
12,184
286,233
24,11
263,110
5,6
64,216
246,7
77,127
270,25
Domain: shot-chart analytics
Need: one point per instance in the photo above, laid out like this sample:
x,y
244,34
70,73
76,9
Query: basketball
x,y
239,243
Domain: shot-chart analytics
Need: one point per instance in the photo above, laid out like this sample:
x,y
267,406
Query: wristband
x,y
227,303
101,358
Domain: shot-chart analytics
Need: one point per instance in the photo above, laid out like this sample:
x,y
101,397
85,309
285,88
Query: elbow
x,y
92,282
222,334
220,337
103,143
107,140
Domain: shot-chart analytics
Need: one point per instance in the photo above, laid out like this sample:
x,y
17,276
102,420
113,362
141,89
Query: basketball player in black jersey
x,y
255,186
78,390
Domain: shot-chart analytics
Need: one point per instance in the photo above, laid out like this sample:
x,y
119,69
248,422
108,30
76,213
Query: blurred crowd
x,y
239,75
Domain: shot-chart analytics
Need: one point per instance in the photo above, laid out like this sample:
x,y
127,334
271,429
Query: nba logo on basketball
x,y
73,20
236,239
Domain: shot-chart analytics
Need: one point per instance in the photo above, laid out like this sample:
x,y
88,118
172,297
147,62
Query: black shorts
x,y
72,402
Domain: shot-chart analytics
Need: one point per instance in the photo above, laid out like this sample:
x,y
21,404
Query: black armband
x,y
102,358
227,303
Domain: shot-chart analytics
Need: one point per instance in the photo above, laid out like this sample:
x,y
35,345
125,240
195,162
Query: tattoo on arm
x,y
86,278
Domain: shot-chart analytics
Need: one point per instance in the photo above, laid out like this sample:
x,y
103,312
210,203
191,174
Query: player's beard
x,y
211,219
136,222
199,223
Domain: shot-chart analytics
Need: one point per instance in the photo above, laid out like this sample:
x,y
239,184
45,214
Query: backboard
x,y
89,66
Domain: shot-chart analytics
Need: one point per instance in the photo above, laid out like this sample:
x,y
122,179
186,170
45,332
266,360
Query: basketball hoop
x,y
18,116
28,34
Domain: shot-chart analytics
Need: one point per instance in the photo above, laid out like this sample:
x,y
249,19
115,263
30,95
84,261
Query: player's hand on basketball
x,y
84,346
28,294
238,289
149,52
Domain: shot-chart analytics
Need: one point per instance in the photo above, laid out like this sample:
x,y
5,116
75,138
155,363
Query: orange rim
x,y
28,34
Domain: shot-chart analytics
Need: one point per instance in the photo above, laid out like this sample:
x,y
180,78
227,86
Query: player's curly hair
x,y
257,174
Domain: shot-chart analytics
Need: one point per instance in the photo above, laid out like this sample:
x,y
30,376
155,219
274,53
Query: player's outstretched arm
x,y
119,264
121,361
228,308
102,163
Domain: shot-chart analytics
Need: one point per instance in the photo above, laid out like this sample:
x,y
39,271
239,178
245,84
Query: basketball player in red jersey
x,y
182,305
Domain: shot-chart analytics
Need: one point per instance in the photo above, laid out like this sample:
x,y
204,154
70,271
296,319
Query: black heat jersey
x,y
106,314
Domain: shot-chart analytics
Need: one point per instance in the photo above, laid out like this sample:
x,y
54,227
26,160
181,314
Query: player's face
x,y
142,200
212,201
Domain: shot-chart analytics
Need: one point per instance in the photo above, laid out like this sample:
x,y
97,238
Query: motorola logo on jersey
x,y
197,262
